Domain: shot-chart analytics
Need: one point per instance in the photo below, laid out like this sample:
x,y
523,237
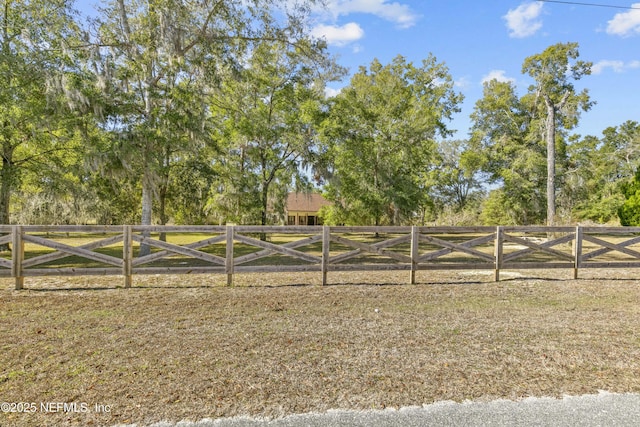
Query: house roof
x,y
305,202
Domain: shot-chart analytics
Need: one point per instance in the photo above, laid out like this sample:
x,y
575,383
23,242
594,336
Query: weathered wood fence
x,y
115,250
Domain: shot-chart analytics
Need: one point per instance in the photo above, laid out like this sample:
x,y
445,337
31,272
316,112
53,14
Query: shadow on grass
x,y
74,288
112,288
525,278
240,286
462,282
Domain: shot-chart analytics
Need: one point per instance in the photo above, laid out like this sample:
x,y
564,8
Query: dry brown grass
x,y
174,348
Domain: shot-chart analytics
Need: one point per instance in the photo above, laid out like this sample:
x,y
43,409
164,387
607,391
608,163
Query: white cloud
x,y
356,48
497,75
625,23
339,35
330,92
599,67
616,66
523,21
462,83
398,13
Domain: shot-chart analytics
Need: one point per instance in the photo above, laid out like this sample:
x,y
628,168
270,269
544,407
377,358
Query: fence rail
x,y
117,250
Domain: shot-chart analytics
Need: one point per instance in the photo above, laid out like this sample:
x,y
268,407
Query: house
x,y
303,208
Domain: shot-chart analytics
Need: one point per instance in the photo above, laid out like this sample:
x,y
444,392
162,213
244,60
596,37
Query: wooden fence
x,y
117,250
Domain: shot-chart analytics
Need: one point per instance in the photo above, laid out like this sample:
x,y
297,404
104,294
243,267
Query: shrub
x,y
629,212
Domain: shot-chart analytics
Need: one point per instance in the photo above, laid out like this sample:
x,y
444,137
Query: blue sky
x,y
478,40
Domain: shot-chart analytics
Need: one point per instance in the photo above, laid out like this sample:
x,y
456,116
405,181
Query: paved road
x,y
604,409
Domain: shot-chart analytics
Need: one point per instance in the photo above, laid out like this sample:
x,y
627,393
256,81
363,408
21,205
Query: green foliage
x,y
36,89
495,209
212,112
117,201
155,108
600,210
380,136
629,212
54,190
188,192
553,71
266,119
157,62
509,154
522,141
597,170
455,178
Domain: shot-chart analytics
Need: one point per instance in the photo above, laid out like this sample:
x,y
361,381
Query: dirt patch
x,y
187,347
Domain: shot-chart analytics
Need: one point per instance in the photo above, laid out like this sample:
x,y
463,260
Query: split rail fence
x,y
126,251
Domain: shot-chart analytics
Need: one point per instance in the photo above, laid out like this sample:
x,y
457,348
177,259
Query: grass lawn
x,y
187,347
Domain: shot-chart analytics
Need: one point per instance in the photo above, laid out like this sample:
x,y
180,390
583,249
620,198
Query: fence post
x,y
17,256
577,251
229,255
127,255
326,253
498,252
415,241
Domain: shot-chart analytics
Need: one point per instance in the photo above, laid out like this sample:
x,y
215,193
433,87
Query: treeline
x,y
162,111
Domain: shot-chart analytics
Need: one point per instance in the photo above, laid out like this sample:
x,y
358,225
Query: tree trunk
x,y
162,208
7,177
7,173
7,184
265,205
162,193
551,162
147,208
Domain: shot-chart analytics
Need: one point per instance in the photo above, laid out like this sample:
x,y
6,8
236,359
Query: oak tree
x,y
381,135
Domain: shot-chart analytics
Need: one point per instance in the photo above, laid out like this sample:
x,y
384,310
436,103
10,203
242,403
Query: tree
x,y
455,178
629,212
57,192
523,138
499,208
149,66
599,168
380,133
509,154
553,71
37,84
267,120
156,62
189,188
